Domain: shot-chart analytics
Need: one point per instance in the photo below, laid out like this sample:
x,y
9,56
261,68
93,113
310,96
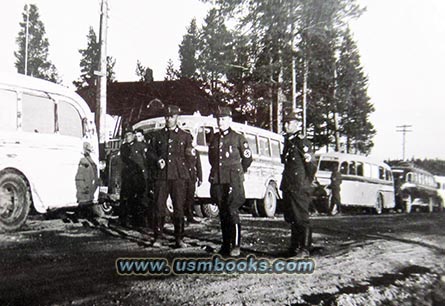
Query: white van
x,y
263,177
43,127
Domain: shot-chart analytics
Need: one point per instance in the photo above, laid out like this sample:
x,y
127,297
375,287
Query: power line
x,y
403,129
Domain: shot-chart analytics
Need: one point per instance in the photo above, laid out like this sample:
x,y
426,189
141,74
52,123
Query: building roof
x,y
135,101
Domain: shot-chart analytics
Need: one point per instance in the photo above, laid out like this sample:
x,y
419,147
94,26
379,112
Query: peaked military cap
x,y
128,129
171,110
223,112
289,116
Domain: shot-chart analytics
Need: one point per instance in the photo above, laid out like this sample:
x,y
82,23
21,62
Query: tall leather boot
x,y
235,240
179,233
225,231
306,242
158,225
295,239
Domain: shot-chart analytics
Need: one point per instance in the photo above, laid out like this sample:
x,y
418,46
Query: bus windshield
x,y
327,165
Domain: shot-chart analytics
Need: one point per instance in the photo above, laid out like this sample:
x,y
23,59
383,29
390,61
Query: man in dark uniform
x,y
230,157
171,148
335,191
296,184
133,178
194,165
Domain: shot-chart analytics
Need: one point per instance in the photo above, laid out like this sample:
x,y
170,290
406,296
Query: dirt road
x,y
392,259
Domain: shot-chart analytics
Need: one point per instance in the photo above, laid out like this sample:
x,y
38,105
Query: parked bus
x,y
415,187
43,128
263,177
366,182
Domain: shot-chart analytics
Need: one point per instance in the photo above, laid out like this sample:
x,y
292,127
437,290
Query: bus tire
x,y
210,210
15,201
169,205
253,206
198,210
102,210
267,206
378,209
408,205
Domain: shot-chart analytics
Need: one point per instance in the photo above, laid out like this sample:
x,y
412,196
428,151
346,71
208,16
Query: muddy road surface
x,y
390,259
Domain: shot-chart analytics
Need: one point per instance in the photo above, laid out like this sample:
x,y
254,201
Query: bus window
x,y
344,168
381,173
327,165
352,168
264,146
208,134
251,139
201,137
409,177
275,146
69,120
8,114
38,114
360,168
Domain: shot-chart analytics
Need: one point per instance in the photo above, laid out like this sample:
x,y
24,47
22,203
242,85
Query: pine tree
x,y
188,51
171,73
353,101
89,63
38,64
215,53
145,74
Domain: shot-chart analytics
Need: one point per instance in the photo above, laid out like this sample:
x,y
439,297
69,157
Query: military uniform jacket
x,y
229,156
134,170
174,147
298,164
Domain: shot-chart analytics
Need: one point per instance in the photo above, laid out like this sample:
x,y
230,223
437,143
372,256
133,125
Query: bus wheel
x,y
169,205
15,201
408,205
210,210
102,210
254,207
378,209
198,210
268,205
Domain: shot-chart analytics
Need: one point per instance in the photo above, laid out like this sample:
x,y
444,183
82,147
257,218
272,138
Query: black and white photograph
x,y
222,152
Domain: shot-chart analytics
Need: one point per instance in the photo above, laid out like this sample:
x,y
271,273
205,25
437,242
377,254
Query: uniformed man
x,y
171,148
296,184
336,180
132,177
230,157
194,166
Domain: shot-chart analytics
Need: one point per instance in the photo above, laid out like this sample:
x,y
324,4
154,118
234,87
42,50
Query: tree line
x,y
262,57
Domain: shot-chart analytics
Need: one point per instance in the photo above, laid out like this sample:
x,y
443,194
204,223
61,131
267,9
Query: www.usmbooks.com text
x,y
214,265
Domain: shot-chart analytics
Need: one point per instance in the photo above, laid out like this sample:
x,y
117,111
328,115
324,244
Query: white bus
x,y
263,177
365,182
43,127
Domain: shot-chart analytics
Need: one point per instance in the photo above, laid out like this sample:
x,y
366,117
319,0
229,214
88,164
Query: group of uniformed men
x,y
165,163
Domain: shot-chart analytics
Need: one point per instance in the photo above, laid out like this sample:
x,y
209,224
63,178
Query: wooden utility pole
x,y
404,129
101,93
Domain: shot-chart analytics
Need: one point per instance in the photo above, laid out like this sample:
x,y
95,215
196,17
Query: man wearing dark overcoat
x,y
296,184
230,157
171,147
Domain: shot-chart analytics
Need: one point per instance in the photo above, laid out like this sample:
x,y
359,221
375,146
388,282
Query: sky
x,y
401,43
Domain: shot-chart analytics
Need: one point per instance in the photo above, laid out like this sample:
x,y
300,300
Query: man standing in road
x,y
296,184
171,147
132,177
335,191
230,157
